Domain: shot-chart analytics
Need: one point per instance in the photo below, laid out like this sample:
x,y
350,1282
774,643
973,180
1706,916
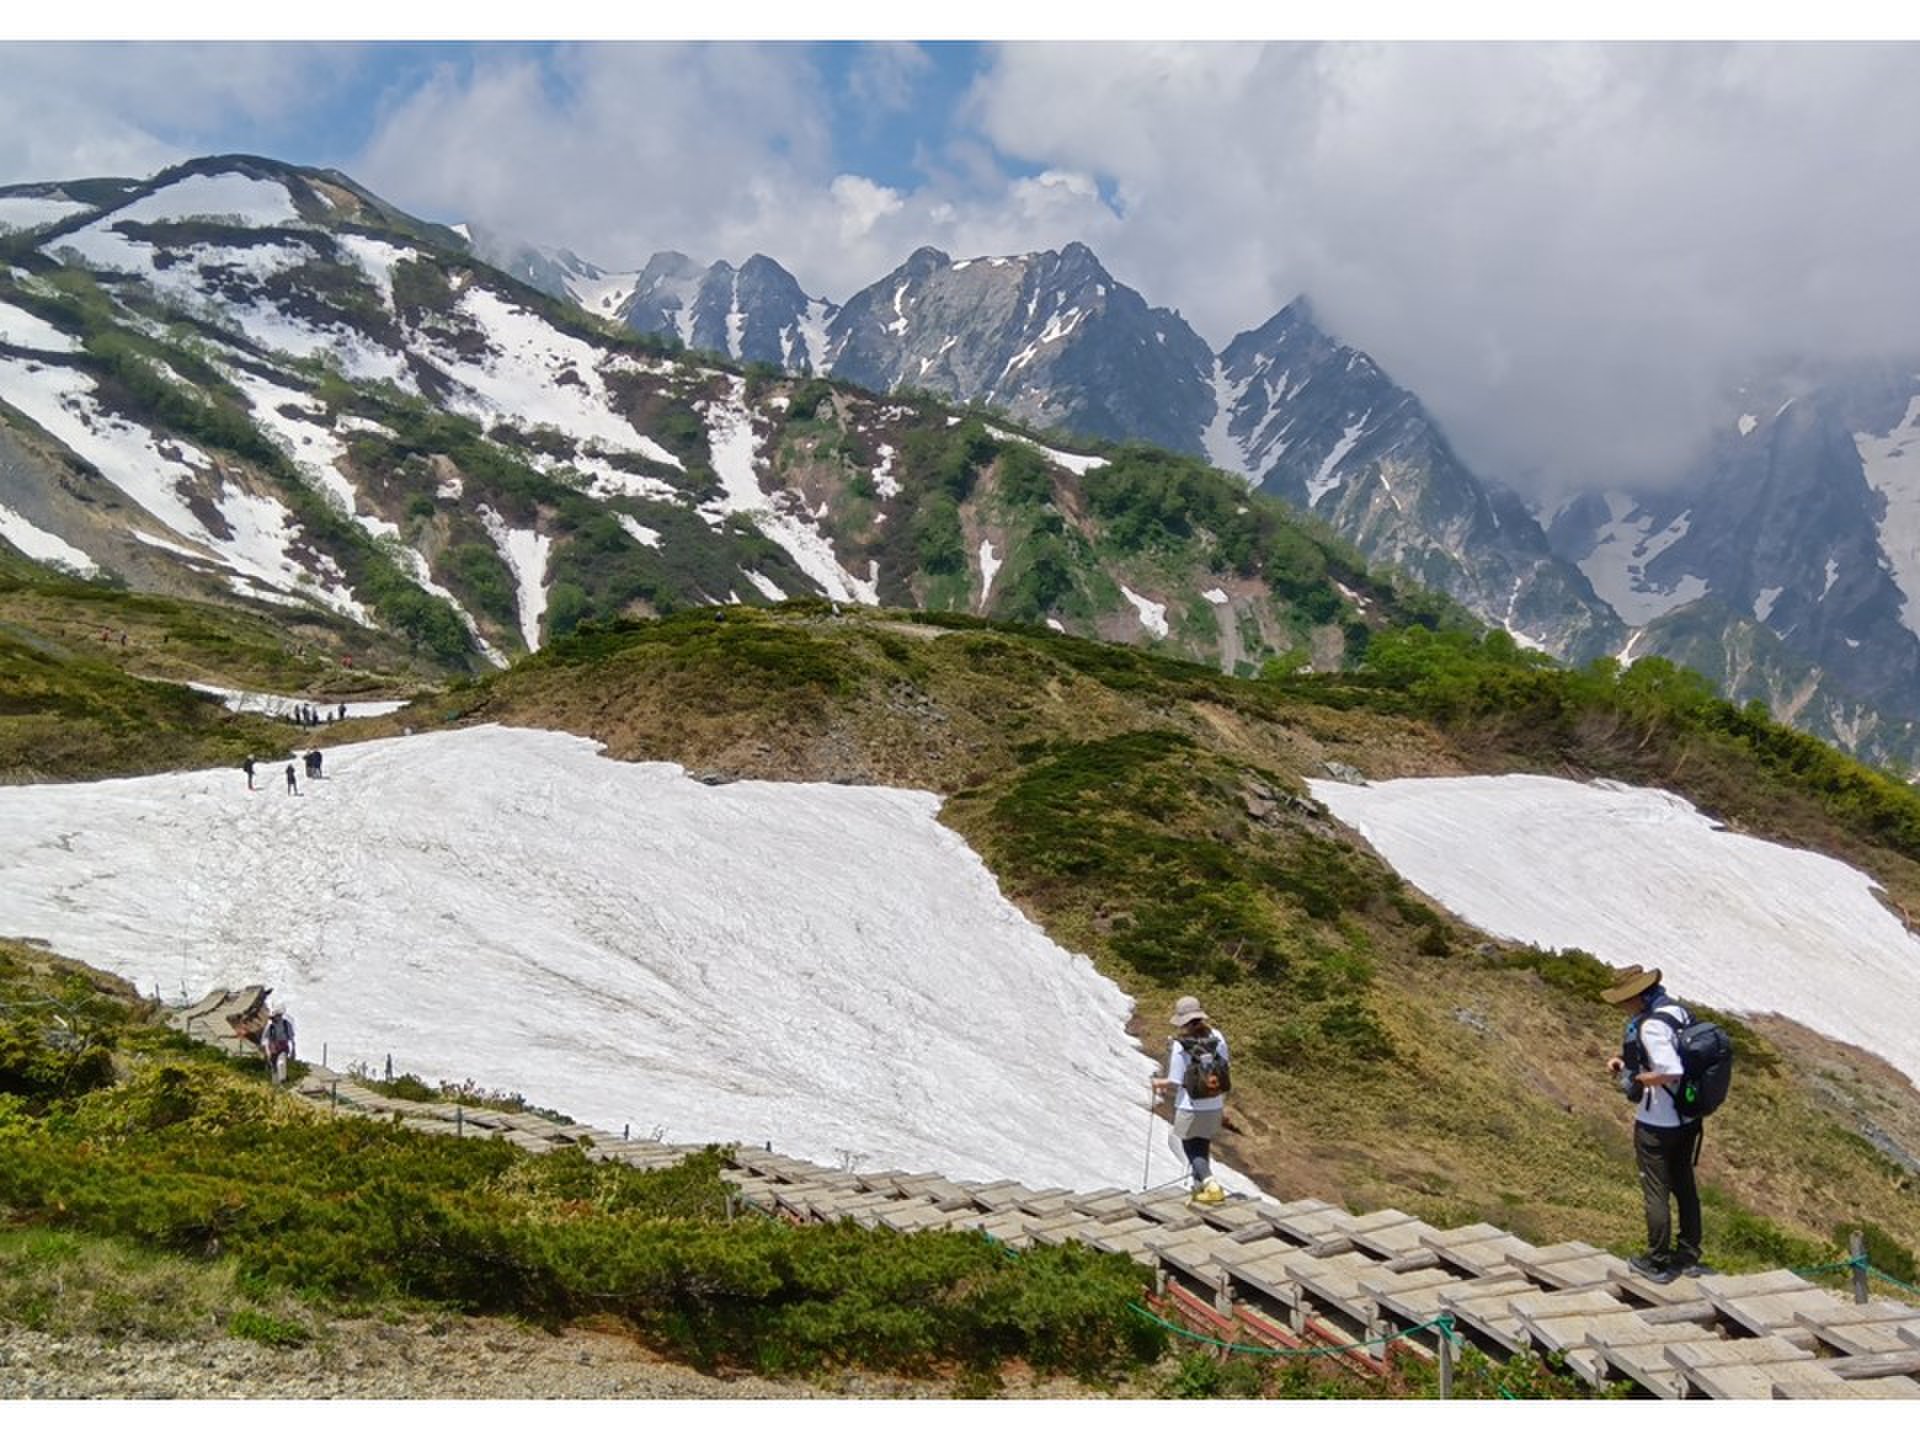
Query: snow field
x,y
822,966
735,449
1638,876
23,328
152,473
37,544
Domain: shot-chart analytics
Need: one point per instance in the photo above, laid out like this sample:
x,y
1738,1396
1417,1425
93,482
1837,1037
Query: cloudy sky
x,y
1565,249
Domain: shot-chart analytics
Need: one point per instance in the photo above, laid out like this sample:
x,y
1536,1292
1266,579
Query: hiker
x,y
247,765
343,709
293,786
277,1041
1197,1076
1666,1146
313,764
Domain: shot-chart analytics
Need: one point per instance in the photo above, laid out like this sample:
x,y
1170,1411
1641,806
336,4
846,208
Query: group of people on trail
x,y
311,761
309,715
1672,1068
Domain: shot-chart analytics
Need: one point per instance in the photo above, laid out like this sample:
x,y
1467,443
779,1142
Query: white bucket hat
x,y
1186,1010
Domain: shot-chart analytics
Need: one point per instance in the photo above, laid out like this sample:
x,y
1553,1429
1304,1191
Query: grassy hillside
x,y
1152,814
83,670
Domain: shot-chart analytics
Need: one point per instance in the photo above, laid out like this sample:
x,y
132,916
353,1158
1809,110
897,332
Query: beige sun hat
x,y
1628,983
1186,1010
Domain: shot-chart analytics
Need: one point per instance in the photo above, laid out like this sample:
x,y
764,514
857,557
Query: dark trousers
x,y
1666,1159
1199,1158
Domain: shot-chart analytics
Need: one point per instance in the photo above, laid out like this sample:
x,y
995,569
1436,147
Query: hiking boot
x,y
1208,1194
1657,1268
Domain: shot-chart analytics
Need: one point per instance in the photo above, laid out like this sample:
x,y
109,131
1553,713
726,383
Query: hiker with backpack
x,y
277,1042
1197,1075
1675,1071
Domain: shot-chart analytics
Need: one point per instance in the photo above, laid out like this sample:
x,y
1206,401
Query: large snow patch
x,y
1633,875
822,966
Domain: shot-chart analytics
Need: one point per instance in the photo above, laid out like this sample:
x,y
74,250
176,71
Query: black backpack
x,y
1207,1076
1706,1063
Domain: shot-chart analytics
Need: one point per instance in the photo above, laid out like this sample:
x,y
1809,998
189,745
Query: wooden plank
x,y
1491,1314
1481,1255
1685,1312
913,1215
1869,1367
1166,1209
1762,1314
1570,1265
1909,1333
1805,1385
1421,1258
1560,1322
1335,1284
1048,1202
1426,1299
1105,1204
1755,1382
1766,1282
1759,1350
1681,1290
1235,1215
1626,1347
1866,1337
1733,1369
1307,1226
1390,1242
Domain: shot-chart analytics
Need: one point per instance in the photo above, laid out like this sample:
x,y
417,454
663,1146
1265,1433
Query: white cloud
x,y
69,110
1561,248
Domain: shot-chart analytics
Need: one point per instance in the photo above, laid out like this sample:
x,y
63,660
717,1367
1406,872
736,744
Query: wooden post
x,y
1446,1357
624,1129
459,1123
389,1066
334,1096
1858,1250
323,1055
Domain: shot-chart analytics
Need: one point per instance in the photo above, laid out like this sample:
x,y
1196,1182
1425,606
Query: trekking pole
x,y
1146,1160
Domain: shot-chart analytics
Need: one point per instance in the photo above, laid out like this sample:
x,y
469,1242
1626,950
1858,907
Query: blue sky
x,y
1565,249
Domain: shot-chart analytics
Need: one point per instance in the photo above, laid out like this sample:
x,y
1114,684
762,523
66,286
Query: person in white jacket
x,y
1196,1057
1665,1145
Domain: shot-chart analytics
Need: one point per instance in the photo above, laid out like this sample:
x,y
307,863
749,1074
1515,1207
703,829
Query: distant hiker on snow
x,y
1666,1067
247,765
313,764
277,1043
1198,1077
293,785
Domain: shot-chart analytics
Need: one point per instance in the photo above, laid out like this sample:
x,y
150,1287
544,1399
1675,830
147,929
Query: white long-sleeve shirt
x,y
1663,1058
1177,1073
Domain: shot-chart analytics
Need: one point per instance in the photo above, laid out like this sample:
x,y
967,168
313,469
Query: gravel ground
x,y
441,1359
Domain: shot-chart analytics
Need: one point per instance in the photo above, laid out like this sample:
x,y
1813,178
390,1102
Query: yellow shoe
x,y
1209,1194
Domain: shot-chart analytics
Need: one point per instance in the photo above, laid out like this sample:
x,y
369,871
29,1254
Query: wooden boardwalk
x,y
1306,1274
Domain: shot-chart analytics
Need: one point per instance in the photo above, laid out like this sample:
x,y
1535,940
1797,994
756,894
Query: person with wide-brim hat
x,y
1197,1076
1666,1146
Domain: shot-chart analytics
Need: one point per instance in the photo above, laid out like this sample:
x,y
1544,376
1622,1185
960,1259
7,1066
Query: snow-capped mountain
x,y
1050,337
253,382
1319,424
1802,518
1053,339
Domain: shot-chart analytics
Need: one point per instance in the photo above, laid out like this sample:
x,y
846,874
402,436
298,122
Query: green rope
x,y
1880,1274
1851,1264
1442,1323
